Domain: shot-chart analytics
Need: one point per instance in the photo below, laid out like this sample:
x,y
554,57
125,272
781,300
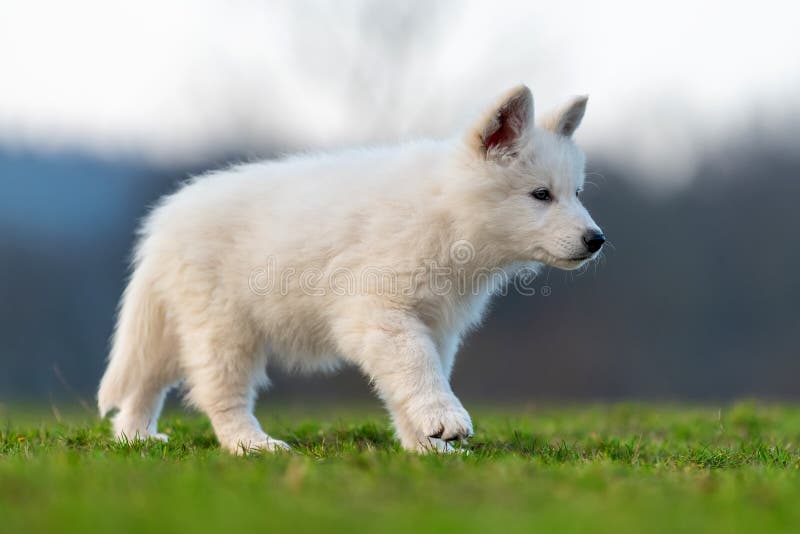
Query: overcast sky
x,y
181,82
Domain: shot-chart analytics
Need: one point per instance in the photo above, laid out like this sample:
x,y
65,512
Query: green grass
x,y
621,468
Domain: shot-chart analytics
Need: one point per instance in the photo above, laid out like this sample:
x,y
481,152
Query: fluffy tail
x,y
137,340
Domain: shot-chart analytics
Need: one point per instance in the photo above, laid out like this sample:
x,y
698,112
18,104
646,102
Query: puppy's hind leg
x,y
142,364
139,412
223,377
149,380
140,408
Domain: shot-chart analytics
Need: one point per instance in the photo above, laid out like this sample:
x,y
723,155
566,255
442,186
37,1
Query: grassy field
x,y
620,468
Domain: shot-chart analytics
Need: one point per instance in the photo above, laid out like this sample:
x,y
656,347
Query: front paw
x,y
437,446
444,419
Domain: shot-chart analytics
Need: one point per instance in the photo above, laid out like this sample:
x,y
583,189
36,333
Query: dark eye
x,y
542,194
578,193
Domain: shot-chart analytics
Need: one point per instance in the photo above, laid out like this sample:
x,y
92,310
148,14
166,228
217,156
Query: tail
x,y
137,338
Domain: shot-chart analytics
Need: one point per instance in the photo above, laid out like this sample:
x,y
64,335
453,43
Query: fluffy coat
x,y
316,260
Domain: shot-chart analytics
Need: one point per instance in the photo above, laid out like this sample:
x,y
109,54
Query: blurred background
x,y
691,133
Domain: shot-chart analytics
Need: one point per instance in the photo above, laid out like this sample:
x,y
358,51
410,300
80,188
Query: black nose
x,y
594,241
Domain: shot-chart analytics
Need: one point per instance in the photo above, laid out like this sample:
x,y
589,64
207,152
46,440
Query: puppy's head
x,y
525,182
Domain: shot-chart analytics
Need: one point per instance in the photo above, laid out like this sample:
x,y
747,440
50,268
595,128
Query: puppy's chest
x,y
454,315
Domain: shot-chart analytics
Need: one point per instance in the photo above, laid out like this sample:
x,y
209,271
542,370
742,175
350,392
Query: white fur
x,y
192,313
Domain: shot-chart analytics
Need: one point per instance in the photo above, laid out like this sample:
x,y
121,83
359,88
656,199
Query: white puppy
x,y
383,258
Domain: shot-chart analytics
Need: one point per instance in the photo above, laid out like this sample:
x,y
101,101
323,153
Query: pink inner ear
x,y
511,123
505,134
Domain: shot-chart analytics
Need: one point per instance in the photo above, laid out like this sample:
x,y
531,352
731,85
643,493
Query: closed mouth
x,y
580,258
554,260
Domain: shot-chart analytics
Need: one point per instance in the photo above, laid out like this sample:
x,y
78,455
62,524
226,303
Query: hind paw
x,y
262,444
125,437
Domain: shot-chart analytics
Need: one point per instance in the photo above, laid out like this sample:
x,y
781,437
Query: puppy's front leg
x,y
402,361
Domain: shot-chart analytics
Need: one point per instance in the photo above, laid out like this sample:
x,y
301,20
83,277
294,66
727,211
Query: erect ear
x,y
502,128
566,119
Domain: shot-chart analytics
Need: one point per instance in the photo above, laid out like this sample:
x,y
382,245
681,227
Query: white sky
x,y
178,82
